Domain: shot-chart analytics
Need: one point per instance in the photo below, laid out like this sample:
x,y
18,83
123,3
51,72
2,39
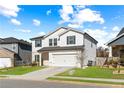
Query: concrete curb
x,y
95,79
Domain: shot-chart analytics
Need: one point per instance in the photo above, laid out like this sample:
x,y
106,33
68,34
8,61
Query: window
x,y
70,39
38,43
37,58
90,63
55,41
50,42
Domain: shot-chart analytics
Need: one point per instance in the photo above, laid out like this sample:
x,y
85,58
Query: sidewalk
x,y
95,79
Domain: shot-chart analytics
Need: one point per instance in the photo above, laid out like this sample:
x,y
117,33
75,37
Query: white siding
x,y
52,36
34,49
78,37
90,52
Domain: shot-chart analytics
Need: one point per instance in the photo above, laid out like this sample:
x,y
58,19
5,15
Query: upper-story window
x,y
55,41
70,39
50,42
38,43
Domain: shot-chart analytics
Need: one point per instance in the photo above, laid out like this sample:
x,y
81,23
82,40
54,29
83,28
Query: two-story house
x,y
64,47
14,52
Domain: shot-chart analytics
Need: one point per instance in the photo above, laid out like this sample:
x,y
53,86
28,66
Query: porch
x,y
118,51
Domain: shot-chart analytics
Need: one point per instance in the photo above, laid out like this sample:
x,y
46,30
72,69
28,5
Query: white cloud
x,y
65,12
88,15
9,10
48,12
74,25
79,15
42,33
101,36
15,22
115,28
36,22
24,30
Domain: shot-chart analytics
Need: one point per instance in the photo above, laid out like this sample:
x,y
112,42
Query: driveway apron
x,y
42,74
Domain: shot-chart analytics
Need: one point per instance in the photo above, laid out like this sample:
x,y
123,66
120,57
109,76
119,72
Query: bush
x,y
122,61
34,64
114,63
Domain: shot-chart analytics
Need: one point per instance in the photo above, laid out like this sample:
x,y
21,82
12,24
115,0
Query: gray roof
x,y
37,37
60,48
121,32
10,40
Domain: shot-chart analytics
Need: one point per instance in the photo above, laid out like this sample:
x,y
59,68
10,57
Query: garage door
x,y
5,62
64,60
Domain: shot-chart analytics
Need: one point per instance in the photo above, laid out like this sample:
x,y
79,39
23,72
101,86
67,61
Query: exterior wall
x,y
78,37
33,57
34,49
90,52
25,55
54,35
6,54
12,47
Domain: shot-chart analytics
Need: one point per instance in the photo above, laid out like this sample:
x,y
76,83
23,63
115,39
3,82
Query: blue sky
x,y
27,21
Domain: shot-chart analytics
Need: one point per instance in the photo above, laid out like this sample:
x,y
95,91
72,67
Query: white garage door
x,y
5,62
64,60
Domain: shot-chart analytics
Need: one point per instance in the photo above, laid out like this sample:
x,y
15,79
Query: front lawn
x,y
19,70
93,72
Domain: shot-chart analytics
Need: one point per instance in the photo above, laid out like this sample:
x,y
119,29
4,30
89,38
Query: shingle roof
x,y
37,37
60,48
13,40
121,32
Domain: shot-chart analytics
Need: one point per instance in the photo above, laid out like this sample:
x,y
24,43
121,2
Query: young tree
x,y
81,57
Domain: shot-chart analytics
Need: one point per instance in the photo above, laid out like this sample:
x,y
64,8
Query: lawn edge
x,y
86,81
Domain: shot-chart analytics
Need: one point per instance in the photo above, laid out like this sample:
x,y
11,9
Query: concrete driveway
x,y
42,74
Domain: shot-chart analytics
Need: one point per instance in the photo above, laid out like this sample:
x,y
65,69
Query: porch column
x,y
110,51
40,59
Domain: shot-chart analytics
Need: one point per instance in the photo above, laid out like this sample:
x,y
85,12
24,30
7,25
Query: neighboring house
x,y
116,45
63,47
14,52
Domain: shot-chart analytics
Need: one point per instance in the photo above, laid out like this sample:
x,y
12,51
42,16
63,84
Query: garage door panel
x,y
64,60
5,62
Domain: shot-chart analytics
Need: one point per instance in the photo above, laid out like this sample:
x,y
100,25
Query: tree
x,y
102,52
81,57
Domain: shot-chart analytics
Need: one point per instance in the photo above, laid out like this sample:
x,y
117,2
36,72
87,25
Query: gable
x,y
57,32
6,53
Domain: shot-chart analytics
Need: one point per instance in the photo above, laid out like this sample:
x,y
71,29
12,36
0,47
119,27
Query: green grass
x,y
3,76
93,72
88,81
19,70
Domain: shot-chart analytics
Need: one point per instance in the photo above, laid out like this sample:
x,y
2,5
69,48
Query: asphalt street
x,y
14,83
